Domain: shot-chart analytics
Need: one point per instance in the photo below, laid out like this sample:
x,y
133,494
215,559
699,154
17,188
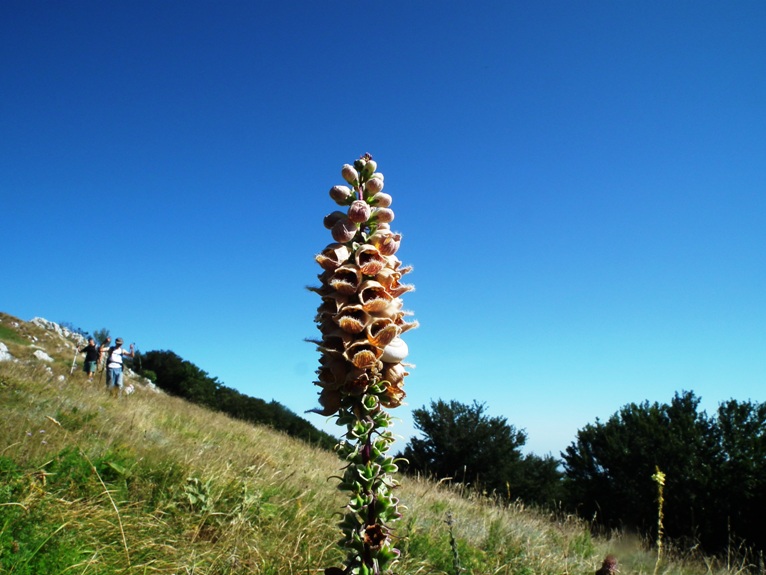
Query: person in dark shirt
x,y
91,358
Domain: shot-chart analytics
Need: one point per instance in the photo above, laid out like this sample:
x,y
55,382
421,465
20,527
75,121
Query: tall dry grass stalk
x,y
659,479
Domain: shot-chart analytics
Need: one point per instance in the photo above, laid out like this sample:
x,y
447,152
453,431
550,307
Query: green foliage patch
x,y
10,335
31,541
75,419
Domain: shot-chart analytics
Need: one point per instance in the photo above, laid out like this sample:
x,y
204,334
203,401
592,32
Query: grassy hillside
x,y
92,484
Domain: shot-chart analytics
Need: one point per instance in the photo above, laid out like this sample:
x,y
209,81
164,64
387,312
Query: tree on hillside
x,y
714,469
182,378
742,475
537,480
462,442
100,335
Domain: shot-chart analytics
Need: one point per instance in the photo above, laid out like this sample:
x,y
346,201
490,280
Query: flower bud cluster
x,y
362,367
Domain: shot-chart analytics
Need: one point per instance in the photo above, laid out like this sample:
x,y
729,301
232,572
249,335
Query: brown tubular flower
x,y
393,392
374,536
373,296
381,331
346,279
386,241
333,302
392,396
357,382
352,319
406,326
393,310
394,373
333,256
362,354
333,344
389,277
369,259
401,289
330,400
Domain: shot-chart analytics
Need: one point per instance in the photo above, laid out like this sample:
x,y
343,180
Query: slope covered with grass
x,y
151,484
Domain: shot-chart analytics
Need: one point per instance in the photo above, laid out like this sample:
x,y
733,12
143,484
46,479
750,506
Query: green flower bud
x,y
369,168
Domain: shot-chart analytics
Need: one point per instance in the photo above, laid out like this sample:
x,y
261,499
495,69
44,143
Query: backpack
x,y
109,357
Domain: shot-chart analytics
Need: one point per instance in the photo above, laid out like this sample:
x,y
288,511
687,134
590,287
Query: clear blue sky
x,y
581,187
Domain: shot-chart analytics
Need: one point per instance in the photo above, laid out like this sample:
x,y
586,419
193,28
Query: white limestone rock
x,y
5,355
42,356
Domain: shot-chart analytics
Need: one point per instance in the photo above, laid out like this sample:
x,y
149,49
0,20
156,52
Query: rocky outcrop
x,y
57,329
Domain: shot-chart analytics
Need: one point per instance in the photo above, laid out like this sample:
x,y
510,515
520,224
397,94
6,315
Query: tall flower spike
x,y
360,370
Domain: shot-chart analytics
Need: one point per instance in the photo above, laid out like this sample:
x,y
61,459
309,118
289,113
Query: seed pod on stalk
x,y
362,369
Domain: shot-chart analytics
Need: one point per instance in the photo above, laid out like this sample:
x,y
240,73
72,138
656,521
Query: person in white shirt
x,y
114,366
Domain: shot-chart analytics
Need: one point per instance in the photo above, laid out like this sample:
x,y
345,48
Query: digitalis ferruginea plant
x,y
361,367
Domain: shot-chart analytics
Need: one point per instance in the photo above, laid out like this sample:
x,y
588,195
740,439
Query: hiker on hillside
x,y
92,355
114,359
